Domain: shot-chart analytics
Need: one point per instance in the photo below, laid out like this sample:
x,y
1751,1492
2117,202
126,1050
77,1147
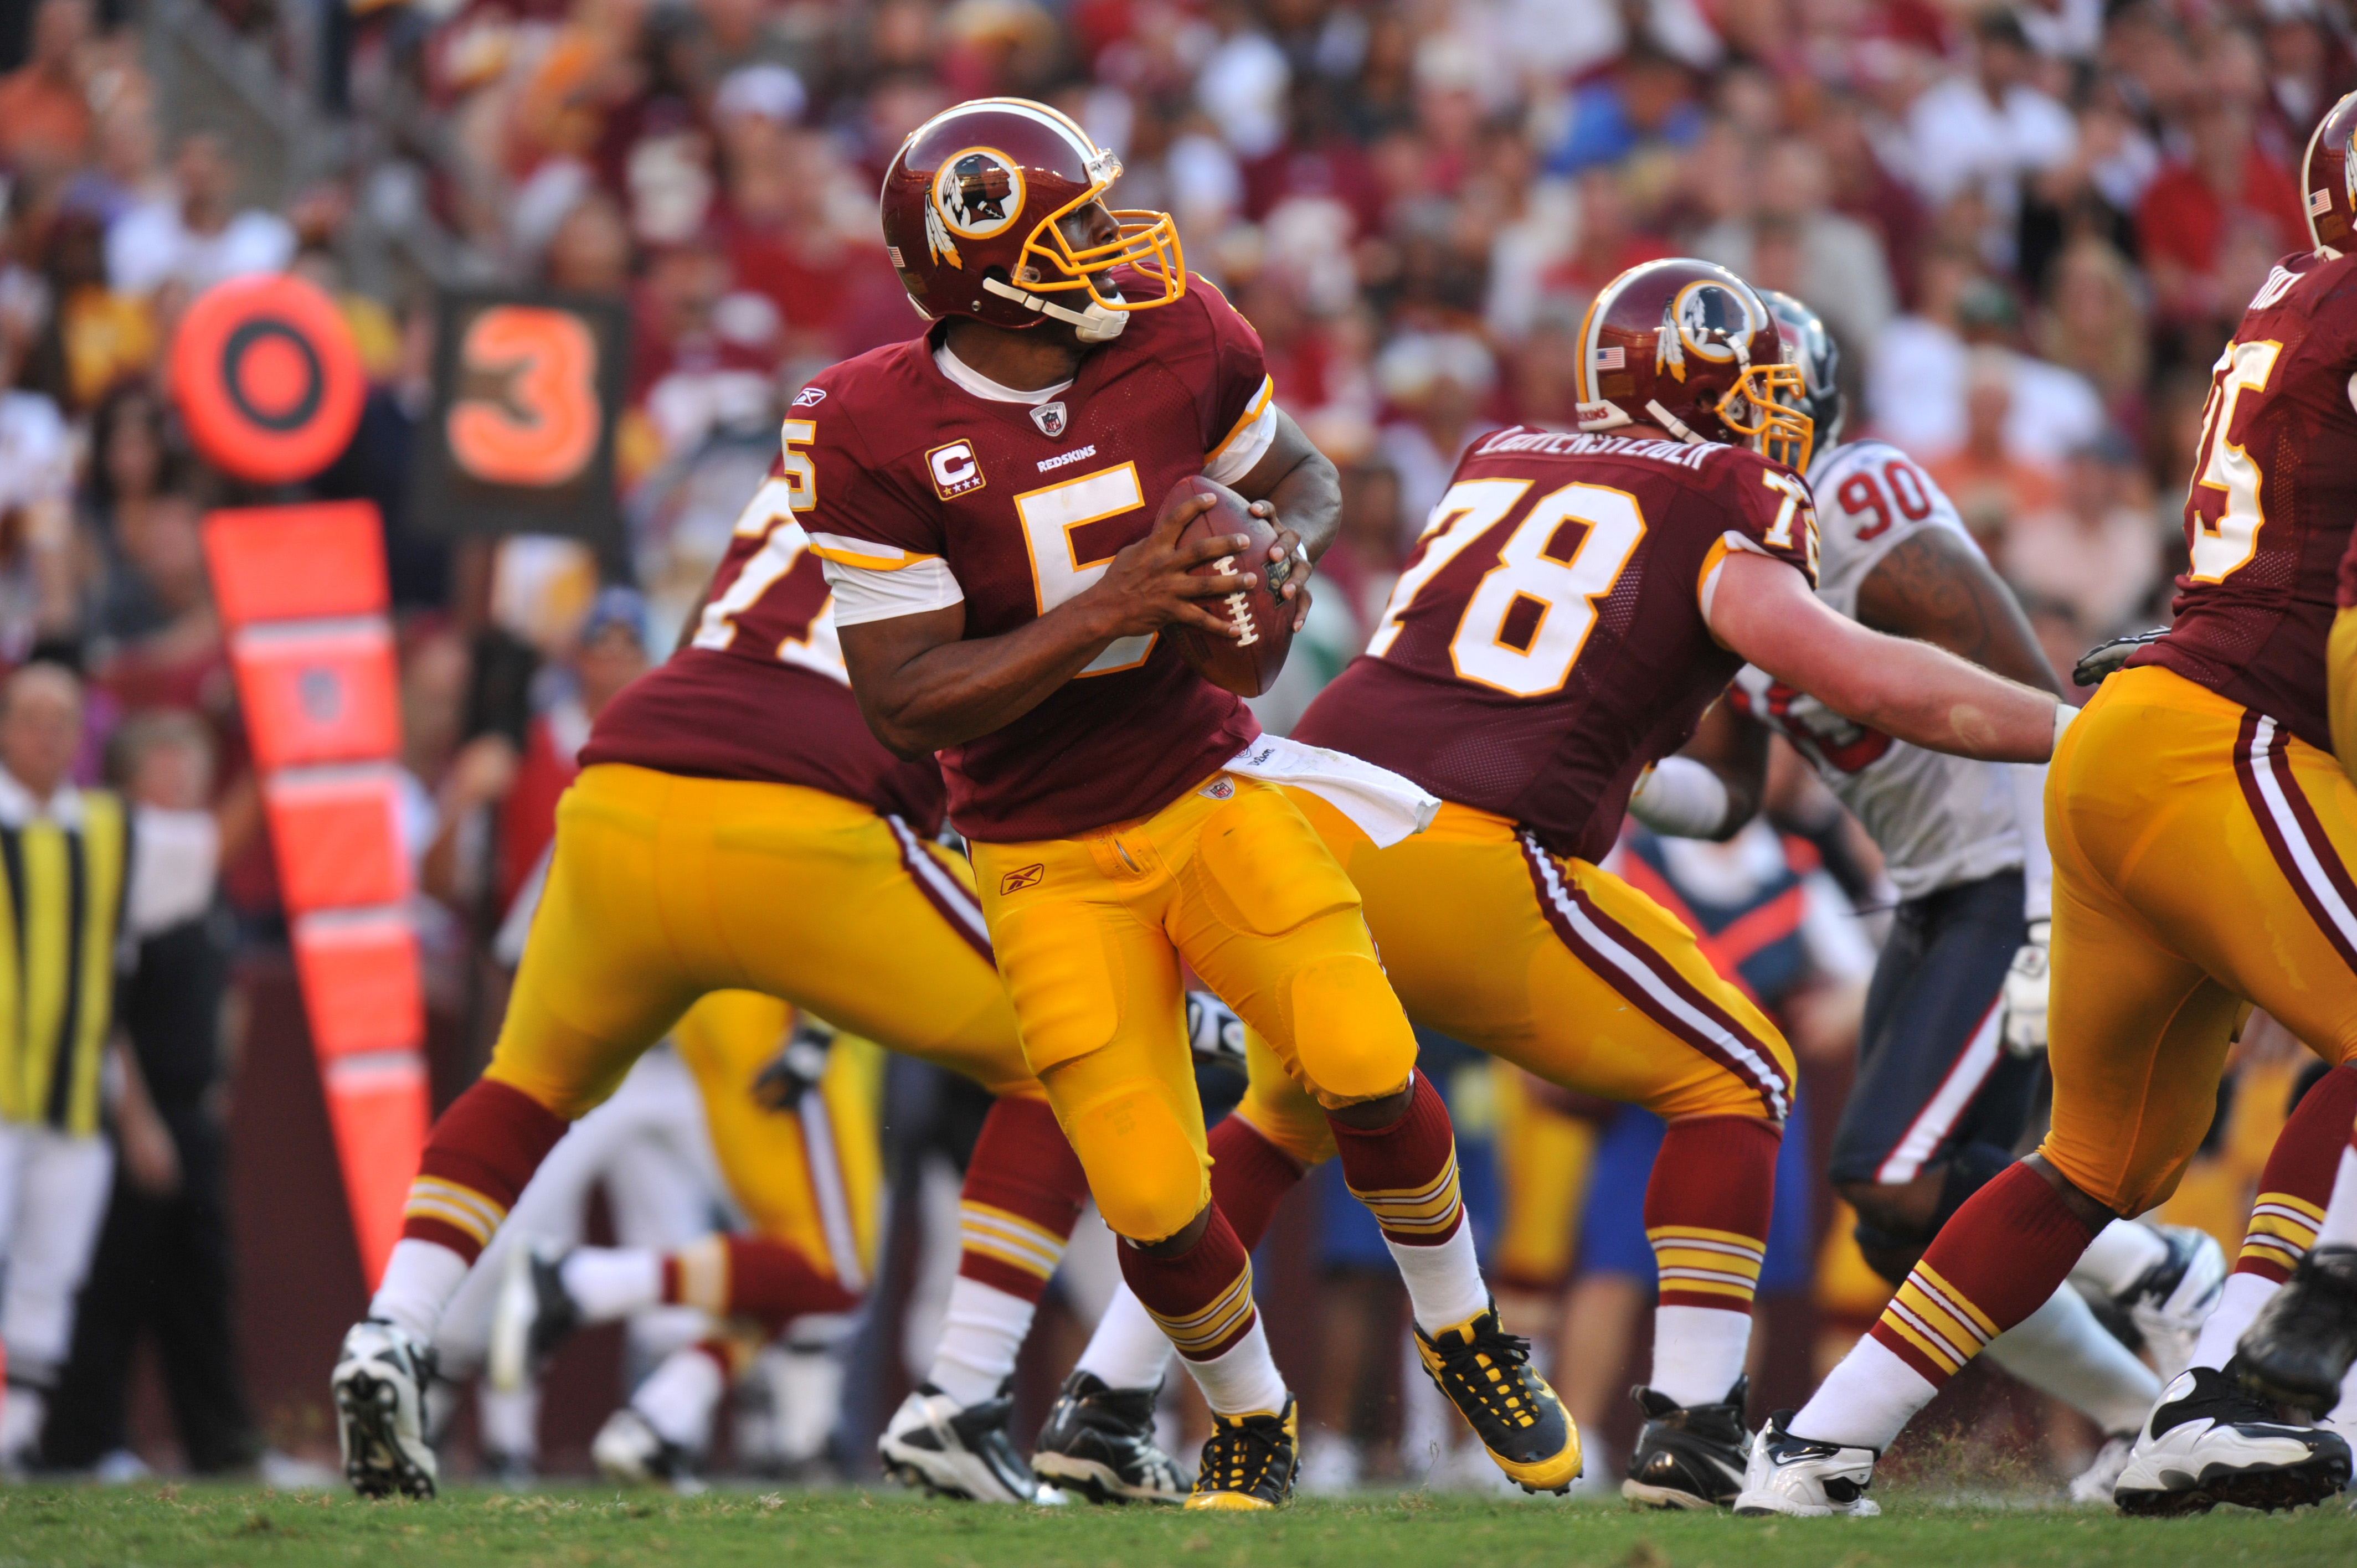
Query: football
x,y
1249,664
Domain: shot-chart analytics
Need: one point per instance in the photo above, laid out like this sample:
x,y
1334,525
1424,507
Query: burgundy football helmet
x,y
2328,178
1690,346
972,208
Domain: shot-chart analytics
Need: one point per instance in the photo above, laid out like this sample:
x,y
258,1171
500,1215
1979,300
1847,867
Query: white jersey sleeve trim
x,y
864,593
1248,443
841,549
1706,587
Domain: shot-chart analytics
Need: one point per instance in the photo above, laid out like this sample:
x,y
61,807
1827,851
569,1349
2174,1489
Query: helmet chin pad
x,y
1094,325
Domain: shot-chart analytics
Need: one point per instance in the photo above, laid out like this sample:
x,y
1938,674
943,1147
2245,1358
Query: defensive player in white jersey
x,y
1955,1018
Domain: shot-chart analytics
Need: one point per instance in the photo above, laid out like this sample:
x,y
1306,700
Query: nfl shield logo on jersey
x,y
1050,418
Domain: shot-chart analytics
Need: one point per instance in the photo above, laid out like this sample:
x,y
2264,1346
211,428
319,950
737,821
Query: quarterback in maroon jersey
x,y
2204,840
1576,603
986,504
735,827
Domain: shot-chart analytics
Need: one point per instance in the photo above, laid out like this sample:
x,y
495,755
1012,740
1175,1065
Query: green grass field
x,y
165,1525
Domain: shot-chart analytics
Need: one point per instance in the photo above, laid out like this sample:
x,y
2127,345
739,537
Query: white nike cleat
x,y
959,1451
378,1390
2209,1442
1789,1474
2094,1485
628,1449
2176,1297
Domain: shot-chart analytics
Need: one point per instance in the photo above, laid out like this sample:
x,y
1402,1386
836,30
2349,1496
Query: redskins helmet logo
x,y
1708,320
978,193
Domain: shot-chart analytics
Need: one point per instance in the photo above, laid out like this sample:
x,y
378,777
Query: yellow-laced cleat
x,y
1486,1373
1248,1460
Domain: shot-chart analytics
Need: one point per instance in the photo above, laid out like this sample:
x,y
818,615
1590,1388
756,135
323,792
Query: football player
x,y
1577,601
2202,837
989,502
735,827
1956,1015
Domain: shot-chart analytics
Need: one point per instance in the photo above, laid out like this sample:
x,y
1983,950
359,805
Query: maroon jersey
x,y
759,693
929,491
2274,488
1547,641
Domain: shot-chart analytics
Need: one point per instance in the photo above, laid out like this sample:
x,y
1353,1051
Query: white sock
x,y
22,1410
612,1283
511,1421
980,1335
1444,1283
2122,1253
2340,1226
1865,1401
1128,1350
1240,1379
1698,1352
420,1278
2063,1350
679,1397
2237,1304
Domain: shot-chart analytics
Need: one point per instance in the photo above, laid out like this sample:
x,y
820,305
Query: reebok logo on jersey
x,y
1061,458
1022,876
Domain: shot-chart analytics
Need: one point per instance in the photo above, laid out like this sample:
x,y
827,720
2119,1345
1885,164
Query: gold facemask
x,y
1763,408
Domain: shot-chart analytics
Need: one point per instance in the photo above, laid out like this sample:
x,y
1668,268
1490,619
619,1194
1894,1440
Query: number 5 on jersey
x,y
1527,621
2224,547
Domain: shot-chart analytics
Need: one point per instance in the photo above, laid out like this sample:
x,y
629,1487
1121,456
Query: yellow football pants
x,y
1545,1157
1552,964
1090,932
2341,688
2201,858
811,1177
665,888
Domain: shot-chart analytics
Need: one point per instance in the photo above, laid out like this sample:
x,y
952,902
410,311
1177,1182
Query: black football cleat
x,y
1248,1461
2209,1442
1099,1442
532,1316
1487,1374
1689,1456
2301,1346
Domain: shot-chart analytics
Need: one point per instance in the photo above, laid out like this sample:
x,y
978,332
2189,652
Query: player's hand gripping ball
x,y
1248,663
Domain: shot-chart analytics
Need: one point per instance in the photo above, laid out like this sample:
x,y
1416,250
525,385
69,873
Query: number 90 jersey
x,y
1939,820
1547,641
2275,488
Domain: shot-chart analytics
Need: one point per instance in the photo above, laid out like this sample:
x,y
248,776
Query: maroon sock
x,y
1406,1173
1250,1176
1024,1188
476,1160
1202,1297
1706,1210
2296,1183
1992,1264
751,1276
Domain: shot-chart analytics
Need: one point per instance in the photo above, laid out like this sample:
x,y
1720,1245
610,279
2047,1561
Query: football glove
x,y
795,1070
1214,1033
2105,658
2025,993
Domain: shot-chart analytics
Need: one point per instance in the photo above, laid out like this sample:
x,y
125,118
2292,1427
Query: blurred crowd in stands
x,y
2032,230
